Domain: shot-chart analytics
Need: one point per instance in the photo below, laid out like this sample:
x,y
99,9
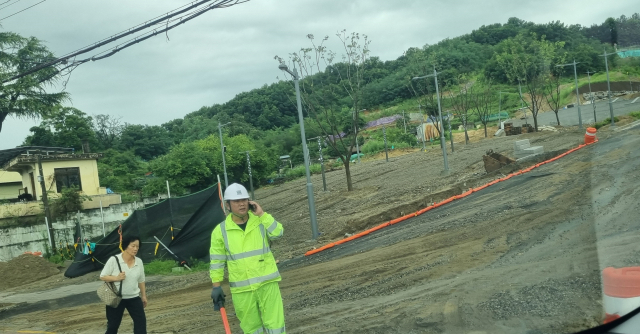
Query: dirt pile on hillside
x,y
25,269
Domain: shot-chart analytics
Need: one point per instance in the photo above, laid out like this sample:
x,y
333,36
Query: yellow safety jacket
x,y
246,254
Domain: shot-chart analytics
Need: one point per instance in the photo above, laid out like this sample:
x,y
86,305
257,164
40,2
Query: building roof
x,y
7,155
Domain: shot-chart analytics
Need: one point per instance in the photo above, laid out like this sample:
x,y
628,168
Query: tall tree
x,y
551,90
325,86
146,141
108,129
612,25
64,127
26,97
526,59
462,102
482,101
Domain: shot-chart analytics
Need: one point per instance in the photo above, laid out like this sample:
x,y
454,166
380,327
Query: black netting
x,y
192,217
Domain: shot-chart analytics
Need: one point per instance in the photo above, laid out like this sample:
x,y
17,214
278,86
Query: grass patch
x,y
605,122
300,171
635,115
375,146
164,267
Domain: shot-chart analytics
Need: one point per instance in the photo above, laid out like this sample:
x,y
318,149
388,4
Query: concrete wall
x,y
17,240
10,184
20,209
33,208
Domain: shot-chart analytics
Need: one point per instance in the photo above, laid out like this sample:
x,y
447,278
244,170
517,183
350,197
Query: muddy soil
x,y
25,269
522,256
387,190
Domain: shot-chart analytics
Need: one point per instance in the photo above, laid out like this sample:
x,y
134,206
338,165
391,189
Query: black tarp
x,y
192,218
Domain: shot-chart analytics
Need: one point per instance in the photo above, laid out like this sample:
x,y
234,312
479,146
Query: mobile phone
x,y
252,207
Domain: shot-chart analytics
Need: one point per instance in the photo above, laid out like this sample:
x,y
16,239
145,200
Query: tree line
x,y
265,120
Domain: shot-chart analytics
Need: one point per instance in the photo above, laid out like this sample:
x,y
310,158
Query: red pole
x,y
223,312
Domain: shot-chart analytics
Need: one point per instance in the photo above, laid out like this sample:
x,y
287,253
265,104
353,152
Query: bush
x,y
300,171
372,146
635,115
70,200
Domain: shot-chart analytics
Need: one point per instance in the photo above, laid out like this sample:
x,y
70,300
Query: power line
x,y
8,4
138,28
6,17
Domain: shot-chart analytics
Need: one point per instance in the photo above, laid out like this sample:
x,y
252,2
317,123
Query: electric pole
x,y
45,201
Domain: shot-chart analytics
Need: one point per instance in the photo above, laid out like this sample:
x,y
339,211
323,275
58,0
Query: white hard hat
x,y
235,191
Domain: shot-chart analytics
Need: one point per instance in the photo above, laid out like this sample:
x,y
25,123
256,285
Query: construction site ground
x,y
521,256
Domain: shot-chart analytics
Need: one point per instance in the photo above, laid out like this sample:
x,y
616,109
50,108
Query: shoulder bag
x,y
108,293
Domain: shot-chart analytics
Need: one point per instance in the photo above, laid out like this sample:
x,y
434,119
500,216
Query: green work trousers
x,y
260,311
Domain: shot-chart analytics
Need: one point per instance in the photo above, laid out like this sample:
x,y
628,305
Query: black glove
x,y
218,298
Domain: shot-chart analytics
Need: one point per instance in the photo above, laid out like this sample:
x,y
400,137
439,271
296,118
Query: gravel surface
x,y
522,256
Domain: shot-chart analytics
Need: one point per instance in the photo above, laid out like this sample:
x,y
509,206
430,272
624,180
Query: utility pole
x,y
593,102
253,196
575,73
424,148
321,159
224,163
499,108
606,65
450,133
355,123
522,102
45,202
324,180
405,122
310,198
442,140
384,135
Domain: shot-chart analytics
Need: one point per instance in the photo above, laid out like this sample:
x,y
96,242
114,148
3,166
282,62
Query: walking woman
x,y
134,295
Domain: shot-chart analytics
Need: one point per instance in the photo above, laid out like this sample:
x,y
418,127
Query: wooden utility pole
x,y
45,201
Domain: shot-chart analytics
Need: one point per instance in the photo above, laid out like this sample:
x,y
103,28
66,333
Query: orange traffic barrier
x,y
446,201
590,135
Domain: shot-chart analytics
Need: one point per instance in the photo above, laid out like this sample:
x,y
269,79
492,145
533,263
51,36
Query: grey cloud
x,y
228,51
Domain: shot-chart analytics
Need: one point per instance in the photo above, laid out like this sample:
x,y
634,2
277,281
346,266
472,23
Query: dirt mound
x,y
25,269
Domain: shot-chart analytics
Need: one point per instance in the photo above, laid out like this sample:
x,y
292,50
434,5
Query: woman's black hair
x,y
127,240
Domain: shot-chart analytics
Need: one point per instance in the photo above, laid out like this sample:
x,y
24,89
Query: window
x,y
67,177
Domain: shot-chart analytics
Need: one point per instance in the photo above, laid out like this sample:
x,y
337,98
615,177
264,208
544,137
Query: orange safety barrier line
x,y
446,201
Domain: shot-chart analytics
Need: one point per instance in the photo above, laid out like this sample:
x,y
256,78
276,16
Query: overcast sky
x,y
227,51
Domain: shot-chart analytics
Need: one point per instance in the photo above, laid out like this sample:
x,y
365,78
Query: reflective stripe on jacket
x,y
246,254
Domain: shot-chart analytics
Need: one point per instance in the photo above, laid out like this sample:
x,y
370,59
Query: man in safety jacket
x,y
241,243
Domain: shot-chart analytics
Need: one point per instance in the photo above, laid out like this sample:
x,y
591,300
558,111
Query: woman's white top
x,y
134,276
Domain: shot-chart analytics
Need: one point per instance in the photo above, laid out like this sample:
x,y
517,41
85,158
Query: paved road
x,y
569,116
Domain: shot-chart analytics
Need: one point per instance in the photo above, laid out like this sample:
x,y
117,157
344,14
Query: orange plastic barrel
x,y
621,295
590,136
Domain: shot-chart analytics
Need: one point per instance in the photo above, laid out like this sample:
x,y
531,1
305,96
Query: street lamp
x,y
442,144
606,65
593,102
224,163
575,73
312,207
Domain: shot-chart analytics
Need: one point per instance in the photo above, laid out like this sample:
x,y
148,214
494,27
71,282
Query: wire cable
x,y
141,27
1,8
6,17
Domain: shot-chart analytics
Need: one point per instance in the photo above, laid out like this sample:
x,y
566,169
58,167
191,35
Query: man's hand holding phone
x,y
256,208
